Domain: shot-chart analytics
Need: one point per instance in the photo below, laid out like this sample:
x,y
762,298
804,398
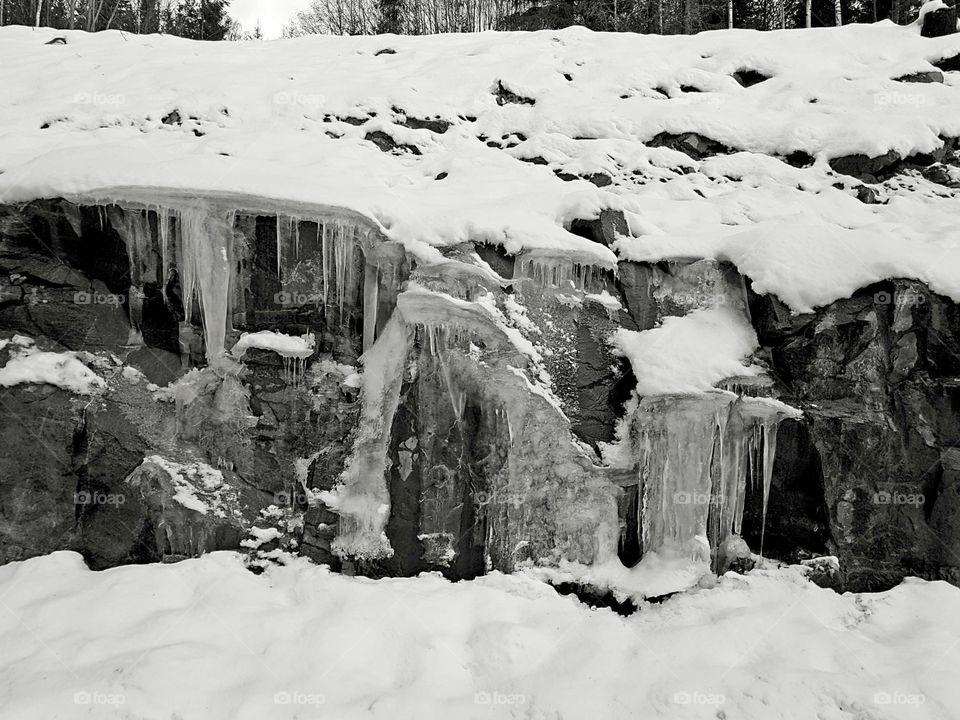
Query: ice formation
x,y
206,267
361,498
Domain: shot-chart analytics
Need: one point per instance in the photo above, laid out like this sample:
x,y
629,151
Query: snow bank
x,y
206,639
690,354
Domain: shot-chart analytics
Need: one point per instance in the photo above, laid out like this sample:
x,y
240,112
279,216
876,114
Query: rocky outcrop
x,y
875,376
176,455
939,22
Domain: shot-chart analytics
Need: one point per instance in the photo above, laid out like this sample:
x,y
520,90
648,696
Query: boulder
x,y
939,22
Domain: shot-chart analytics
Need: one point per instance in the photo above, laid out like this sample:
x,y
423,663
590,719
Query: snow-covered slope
x,y
298,123
205,639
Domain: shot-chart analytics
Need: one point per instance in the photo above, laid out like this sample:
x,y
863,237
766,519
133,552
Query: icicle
x,y
163,231
206,240
770,426
458,398
324,252
279,248
371,279
295,231
558,272
343,245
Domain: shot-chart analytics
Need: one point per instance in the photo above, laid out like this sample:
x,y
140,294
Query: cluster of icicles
x,y
200,243
696,455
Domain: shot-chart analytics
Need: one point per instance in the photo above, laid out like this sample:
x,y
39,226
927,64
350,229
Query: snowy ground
x,y
205,639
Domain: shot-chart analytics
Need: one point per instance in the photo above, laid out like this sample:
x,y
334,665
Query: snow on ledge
x,y
289,346
689,354
28,365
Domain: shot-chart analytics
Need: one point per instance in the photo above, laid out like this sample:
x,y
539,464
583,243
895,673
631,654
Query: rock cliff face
x,y
481,427
624,310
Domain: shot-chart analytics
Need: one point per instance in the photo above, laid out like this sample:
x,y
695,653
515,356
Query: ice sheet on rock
x,y
443,315
361,497
695,454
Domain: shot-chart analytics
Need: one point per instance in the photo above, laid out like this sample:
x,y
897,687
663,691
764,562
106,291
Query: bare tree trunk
x,y
39,8
113,15
688,13
1,13
809,8
838,17
730,14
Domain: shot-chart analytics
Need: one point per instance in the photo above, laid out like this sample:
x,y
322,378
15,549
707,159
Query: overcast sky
x,y
272,14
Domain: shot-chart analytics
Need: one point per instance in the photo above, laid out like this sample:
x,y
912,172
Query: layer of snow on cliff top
x,y
689,354
207,640
268,124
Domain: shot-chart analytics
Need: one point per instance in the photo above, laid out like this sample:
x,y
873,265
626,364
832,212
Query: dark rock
x,y
695,145
940,174
797,524
436,125
923,76
873,374
505,96
605,229
863,167
388,144
799,159
939,22
385,51
172,118
749,78
867,195
599,179
604,382
38,485
57,41
949,63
